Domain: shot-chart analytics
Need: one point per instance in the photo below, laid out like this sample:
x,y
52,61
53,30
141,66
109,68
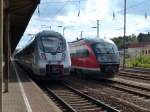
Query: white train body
x,y
47,56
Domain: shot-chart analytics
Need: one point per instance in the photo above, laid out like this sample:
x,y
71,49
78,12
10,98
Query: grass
x,y
143,61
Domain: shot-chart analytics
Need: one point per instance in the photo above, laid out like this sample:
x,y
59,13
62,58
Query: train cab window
x,y
85,53
82,53
104,48
52,44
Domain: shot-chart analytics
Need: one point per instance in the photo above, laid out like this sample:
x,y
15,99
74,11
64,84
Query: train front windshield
x,y
104,48
106,52
52,44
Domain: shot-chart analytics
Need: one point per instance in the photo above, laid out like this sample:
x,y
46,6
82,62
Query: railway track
x,y
129,88
135,75
137,70
119,95
144,69
138,85
72,100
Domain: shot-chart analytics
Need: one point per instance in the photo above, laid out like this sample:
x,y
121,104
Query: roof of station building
x,y
20,12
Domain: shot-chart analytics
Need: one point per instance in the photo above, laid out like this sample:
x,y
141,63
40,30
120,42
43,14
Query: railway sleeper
x,y
91,110
88,106
80,104
70,96
78,101
65,94
63,91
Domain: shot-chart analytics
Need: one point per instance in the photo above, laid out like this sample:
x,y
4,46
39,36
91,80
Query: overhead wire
x,y
66,2
135,5
132,6
58,11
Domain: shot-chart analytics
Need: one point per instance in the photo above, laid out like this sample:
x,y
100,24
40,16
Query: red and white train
x,y
95,56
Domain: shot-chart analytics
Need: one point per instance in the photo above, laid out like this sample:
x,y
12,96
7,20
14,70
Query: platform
x,y
24,95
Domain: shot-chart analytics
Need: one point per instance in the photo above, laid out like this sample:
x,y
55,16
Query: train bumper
x,y
109,68
54,69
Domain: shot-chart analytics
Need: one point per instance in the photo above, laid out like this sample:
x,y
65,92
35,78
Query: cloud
x,y
135,7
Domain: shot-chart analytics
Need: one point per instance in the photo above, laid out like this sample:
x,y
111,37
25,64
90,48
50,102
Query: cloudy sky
x,y
81,15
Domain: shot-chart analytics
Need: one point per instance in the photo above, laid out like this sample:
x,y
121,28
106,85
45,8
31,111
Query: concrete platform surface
x,y
24,95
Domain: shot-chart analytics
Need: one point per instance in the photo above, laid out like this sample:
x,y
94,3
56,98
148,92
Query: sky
x,y
82,15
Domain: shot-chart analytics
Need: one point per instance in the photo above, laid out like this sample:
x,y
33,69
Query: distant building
x,y
138,49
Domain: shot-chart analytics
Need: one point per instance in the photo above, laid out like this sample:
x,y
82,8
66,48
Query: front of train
x,y
107,56
53,61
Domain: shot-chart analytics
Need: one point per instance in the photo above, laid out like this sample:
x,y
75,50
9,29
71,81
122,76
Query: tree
x,y
129,39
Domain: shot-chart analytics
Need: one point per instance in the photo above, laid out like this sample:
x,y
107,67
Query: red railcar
x,y
94,57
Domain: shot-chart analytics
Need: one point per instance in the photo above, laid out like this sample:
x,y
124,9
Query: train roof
x,y
48,33
92,40
40,34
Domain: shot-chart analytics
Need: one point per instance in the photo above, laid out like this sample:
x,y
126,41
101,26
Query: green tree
x,y
129,39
